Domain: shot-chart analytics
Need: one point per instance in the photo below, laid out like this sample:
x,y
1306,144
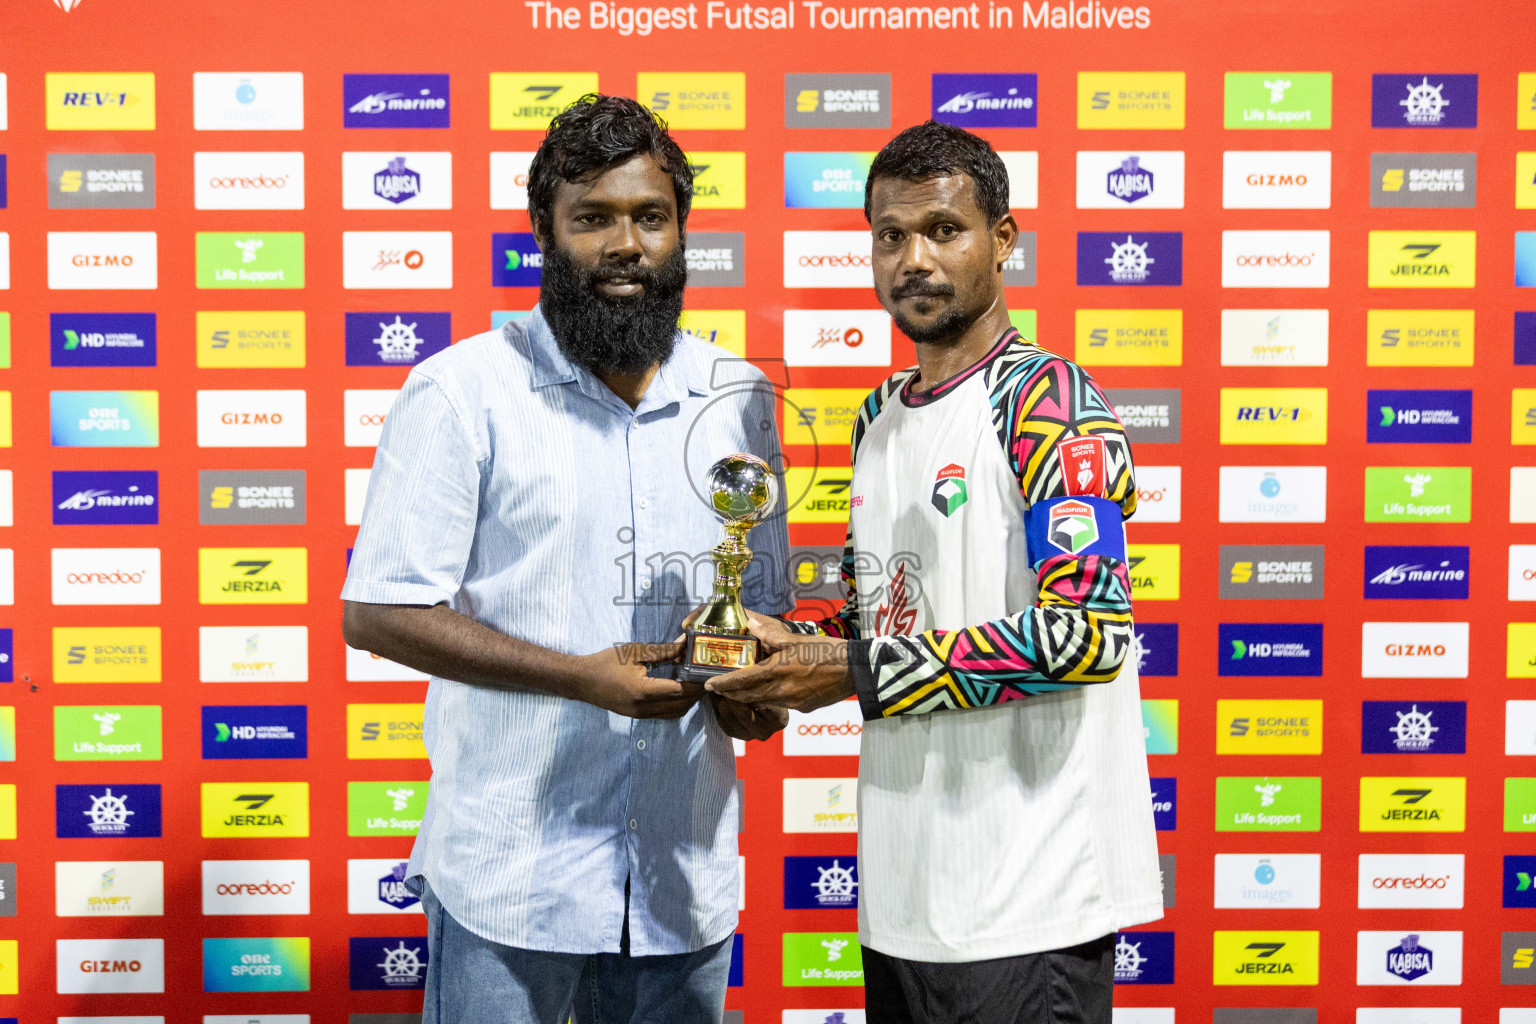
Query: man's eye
x,y
944,231
890,237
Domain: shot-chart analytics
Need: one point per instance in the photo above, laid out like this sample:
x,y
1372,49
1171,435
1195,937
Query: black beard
x,y
607,333
948,327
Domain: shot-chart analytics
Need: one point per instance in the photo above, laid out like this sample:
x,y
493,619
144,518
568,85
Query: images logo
x,y
233,259
516,261
825,180
253,575
102,260
1423,179
1144,958
1264,958
1417,573
117,810
395,101
244,732
396,338
256,965
1406,494
257,101
385,808
1279,571
1277,180
254,809
1275,259
1139,258
1274,337
815,883
392,964
96,181
985,100
1130,99
1268,804
1274,415
1268,726
106,497
1278,99
108,101
1165,804
1149,415
1422,259
1418,417
837,101
1130,337
1423,101
103,654
528,101
1268,881
1117,180
101,339
822,958
1413,804
377,731
1416,727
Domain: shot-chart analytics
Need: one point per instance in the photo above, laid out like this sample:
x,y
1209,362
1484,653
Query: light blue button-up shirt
x,y
513,485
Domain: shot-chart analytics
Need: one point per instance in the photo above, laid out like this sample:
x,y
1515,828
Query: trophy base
x,y
706,655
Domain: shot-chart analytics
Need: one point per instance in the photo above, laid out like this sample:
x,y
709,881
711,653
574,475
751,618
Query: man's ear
x,y
540,232
1005,235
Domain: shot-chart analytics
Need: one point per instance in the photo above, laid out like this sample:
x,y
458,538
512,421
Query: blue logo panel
x,y
1131,258
394,964
1525,259
1269,649
1165,804
1413,727
4,183
820,883
128,497
738,954
1519,881
1525,339
1157,645
1073,526
7,656
115,811
1423,100
395,101
232,732
101,339
396,338
1417,572
1418,417
1144,958
986,101
825,181
516,261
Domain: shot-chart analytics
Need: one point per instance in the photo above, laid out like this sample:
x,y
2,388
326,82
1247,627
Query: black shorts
x,y
1060,986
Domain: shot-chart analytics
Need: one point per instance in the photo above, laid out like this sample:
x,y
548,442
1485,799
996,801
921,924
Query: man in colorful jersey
x,y
1005,832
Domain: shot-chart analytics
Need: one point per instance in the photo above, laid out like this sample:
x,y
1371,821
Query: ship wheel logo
x,y
835,884
108,813
1129,262
401,966
1414,730
1424,103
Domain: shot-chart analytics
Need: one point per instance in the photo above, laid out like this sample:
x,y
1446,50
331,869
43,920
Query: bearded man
x,y
534,501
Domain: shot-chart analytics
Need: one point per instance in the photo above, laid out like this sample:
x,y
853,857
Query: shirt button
x,y
645,584
633,824
644,503
640,744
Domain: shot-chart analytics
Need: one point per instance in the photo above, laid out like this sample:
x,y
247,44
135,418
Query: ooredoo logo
x,y
364,413
248,181
106,576
255,887
1412,881
832,730
827,259
1274,259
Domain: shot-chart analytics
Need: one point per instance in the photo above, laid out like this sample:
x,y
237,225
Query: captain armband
x,y
1073,526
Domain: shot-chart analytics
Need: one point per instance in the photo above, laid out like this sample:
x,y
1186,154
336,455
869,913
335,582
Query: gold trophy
x,y
743,491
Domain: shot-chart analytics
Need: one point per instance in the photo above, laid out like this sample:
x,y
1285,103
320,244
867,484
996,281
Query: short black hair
x,y
936,150
598,132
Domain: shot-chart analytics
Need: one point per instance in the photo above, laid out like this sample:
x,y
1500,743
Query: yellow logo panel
x,y
251,810
1130,99
822,416
1522,416
252,575
7,811
1264,958
9,974
1274,415
695,99
1419,337
5,419
1130,337
1525,113
240,340
385,730
529,100
1520,650
106,654
724,327
719,180
107,101
1525,181
1154,571
819,494
1422,259
1269,727
1413,804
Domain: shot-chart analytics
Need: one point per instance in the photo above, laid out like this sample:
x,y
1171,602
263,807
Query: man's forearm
x,y
442,642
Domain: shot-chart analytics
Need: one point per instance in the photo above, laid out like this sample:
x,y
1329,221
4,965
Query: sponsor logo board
x,y
710,100
831,730
986,100
116,810
238,731
529,100
1420,337
385,808
396,338
242,654
1413,494
1408,958
247,101
1277,179
1422,259
395,101
248,181
825,180
1132,258
396,180
256,259
1130,337
1130,99
100,101
1420,572
101,260
1149,415
107,888
1440,180
102,966
106,497
821,805
251,419
253,575
1264,958
379,887
1274,337
256,965
1414,650
1269,726
1423,100
1413,727
385,731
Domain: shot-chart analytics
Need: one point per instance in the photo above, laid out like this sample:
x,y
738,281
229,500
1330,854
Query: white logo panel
x,y
367,667
1274,494
1274,337
827,259
1277,180
1522,572
248,181
255,887
1414,650
1412,881
1520,728
378,887
1408,957
509,180
1522,494
102,260
1023,166
397,259
833,730
392,180
89,966
821,805
837,337
1118,180
356,495
1269,880
251,419
1274,259
109,888
1159,494
364,413
247,654
106,575
246,102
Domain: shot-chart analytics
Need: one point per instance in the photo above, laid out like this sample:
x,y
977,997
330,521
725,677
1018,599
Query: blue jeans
x,y
472,980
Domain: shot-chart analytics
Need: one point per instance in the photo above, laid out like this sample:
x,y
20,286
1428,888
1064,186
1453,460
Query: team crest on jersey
x,y
1073,527
949,491
1082,465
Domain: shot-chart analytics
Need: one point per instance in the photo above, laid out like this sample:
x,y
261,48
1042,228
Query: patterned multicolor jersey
x,y
986,564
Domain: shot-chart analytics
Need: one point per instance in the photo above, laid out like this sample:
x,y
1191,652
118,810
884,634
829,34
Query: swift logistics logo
x,y
395,101
1417,573
820,883
396,338
106,497
821,805
1130,99
253,654
1269,803
1275,571
256,965
1144,958
1422,259
106,888
1416,804
1165,804
104,419
1418,417
253,575
242,732
104,101
1413,727
1423,100
1274,416
101,339
1269,726
825,180
250,810
1264,958
1138,258
392,964
117,810
250,339
1411,494
516,260
986,100
837,101
1421,337
1278,99
106,654
1439,180
1274,337
707,100
1130,337
101,181
529,100
258,259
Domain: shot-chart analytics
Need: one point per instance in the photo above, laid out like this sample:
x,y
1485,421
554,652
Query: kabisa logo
x,y
117,810
245,731
392,891
261,101
101,339
395,101
1417,573
1155,646
1270,649
1423,179
1422,259
106,498
1280,99
252,809
986,100
1138,258
1413,727
1144,958
1519,881
837,101
1119,180
527,101
1409,960
106,101
516,261
396,183
1165,804
1130,181
119,181
1423,101
949,492
812,883
256,965
1419,804
393,964
1418,417
396,338
1130,99
825,180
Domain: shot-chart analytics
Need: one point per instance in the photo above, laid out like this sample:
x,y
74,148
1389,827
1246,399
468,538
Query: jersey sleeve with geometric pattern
x,y
1078,632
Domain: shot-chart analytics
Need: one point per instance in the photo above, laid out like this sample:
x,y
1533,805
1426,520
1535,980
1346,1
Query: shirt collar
x,y
677,378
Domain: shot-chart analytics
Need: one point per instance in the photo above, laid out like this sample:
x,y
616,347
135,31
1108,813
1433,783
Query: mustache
x,y
622,271
920,287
